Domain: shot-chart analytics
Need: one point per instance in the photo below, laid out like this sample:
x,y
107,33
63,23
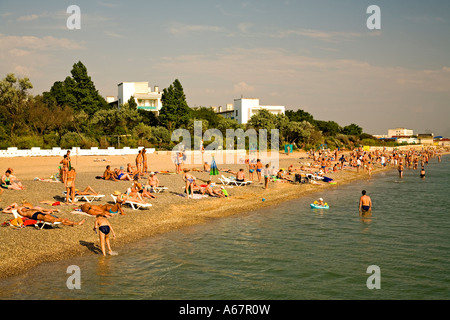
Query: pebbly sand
x,y
22,249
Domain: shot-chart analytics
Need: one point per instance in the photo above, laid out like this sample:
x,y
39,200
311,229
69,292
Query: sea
x,y
285,252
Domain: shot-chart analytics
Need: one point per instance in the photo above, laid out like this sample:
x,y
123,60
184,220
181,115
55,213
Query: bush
x,y
28,142
70,140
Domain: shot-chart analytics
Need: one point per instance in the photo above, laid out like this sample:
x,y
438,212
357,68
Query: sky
x,y
318,55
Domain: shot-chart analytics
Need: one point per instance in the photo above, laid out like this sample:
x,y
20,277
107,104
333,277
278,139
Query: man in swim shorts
x,y
365,204
46,217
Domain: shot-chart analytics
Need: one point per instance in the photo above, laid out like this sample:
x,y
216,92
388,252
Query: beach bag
x,y
16,223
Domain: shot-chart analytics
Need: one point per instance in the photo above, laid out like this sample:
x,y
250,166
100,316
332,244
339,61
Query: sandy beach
x,y
22,249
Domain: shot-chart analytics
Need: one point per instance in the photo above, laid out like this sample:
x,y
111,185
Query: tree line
x,y
73,114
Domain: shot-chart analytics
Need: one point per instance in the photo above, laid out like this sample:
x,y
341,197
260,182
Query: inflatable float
x,y
317,206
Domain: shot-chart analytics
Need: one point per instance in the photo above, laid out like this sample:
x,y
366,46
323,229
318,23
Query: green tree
x,y
352,130
175,111
328,128
78,92
263,120
13,98
299,116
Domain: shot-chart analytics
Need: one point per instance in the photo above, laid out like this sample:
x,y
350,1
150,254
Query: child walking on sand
x,y
104,228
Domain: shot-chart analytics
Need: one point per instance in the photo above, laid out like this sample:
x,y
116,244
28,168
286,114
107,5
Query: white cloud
x,y
39,43
328,36
28,18
180,29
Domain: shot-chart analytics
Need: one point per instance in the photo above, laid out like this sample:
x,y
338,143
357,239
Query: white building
x,y
243,109
145,98
400,132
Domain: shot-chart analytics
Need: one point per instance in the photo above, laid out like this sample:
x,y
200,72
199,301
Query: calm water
x,y
286,252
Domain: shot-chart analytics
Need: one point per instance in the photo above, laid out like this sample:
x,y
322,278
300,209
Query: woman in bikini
x,y
8,182
106,210
104,227
65,168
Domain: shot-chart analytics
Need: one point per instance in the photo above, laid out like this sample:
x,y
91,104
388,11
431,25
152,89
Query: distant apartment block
x,y
145,97
243,109
400,132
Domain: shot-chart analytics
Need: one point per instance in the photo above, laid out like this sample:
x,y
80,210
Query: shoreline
x,y
23,249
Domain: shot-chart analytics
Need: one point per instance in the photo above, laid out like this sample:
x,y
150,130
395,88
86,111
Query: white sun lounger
x,y
232,181
44,223
313,177
158,189
87,197
133,204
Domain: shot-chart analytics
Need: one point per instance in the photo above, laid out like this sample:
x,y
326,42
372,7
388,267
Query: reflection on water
x,y
286,252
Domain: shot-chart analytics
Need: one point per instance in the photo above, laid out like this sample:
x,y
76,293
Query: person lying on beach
x,y
40,215
10,182
119,174
109,174
104,227
212,191
228,171
26,204
106,210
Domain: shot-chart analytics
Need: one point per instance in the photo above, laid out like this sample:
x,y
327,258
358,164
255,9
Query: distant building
x,y
400,132
145,98
426,138
243,109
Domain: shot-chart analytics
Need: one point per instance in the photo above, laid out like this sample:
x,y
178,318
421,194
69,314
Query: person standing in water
x,y
104,227
365,204
422,172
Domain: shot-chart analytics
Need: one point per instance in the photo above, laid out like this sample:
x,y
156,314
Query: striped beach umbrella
x,y
213,171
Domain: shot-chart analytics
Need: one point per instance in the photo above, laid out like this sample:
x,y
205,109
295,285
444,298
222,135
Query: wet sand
x,y
22,249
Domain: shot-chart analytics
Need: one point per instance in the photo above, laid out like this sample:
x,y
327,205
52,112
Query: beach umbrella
x,y
213,171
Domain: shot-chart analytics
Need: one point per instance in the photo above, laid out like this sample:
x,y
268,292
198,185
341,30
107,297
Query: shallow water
x,y
282,253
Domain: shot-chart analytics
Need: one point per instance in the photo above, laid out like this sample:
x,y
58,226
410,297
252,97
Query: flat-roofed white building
x,y
400,132
146,99
244,108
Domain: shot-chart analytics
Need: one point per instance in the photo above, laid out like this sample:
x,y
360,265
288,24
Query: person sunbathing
x,y
211,191
107,210
119,174
152,180
240,176
109,174
10,182
139,188
40,215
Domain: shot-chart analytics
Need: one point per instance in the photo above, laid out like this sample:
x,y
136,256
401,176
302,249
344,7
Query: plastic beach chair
x,y
87,197
133,204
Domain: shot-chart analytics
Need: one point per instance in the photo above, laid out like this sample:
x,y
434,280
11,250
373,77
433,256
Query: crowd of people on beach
x,y
317,164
